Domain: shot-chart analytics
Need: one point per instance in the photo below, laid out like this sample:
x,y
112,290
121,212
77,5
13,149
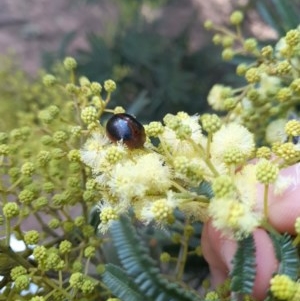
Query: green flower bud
x,y
68,226
295,86
49,80
236,17
46,140
74,167
31,237
267,51
210,122
223,186
208,24
89,196
26,196
96,88
4,150
165,257
252,75
89,252
91,184
48,187
88,231
45,116
89,115
266,171
14,173
110,86
217,39
76,280
292,37
40,203
119,110
53,261
54,223
154,129
227,41
39,298
70,63
84,81
11,210
43,158
227,54
40,253
79,221
87,286
65,247
60,137
74,155
3,137
283,68
72,89
17,271
250,45
22,282
58,153
284,94
77,266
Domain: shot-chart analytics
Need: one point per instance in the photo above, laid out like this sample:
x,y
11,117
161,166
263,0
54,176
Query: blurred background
x,y
157,51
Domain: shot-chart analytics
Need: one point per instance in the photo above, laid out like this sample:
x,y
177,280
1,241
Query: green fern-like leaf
x,y
142,268
204,189
286,254
243,273
120,285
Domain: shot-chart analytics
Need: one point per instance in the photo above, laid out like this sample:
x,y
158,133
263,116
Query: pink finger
x,y
219,253
285,208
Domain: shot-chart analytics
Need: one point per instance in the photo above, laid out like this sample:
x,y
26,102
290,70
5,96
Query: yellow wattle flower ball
x,y
282,287
266,171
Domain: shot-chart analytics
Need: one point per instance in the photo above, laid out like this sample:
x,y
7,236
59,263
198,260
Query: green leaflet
x,y
140,276
120,284
243,272
286,254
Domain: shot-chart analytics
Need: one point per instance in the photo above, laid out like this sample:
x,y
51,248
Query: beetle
x,y
124,127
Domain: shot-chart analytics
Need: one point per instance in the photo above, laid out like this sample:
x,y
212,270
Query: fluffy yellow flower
x,y
180,147
246,185
236,215
232,217
230,136
109,213
147,174
160,211
93,150
217,95
275,131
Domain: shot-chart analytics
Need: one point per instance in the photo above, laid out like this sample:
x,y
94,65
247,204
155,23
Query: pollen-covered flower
x,y
109,213
246,185
146,174
275,131
231,136
234,213
232,217
217,95
93,152
169,137
281,184
160,211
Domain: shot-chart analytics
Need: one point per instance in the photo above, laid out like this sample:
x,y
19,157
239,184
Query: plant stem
x,y
182,257
266,191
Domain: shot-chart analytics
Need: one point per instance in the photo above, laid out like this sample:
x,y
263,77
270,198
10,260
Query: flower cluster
x,y
64,168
